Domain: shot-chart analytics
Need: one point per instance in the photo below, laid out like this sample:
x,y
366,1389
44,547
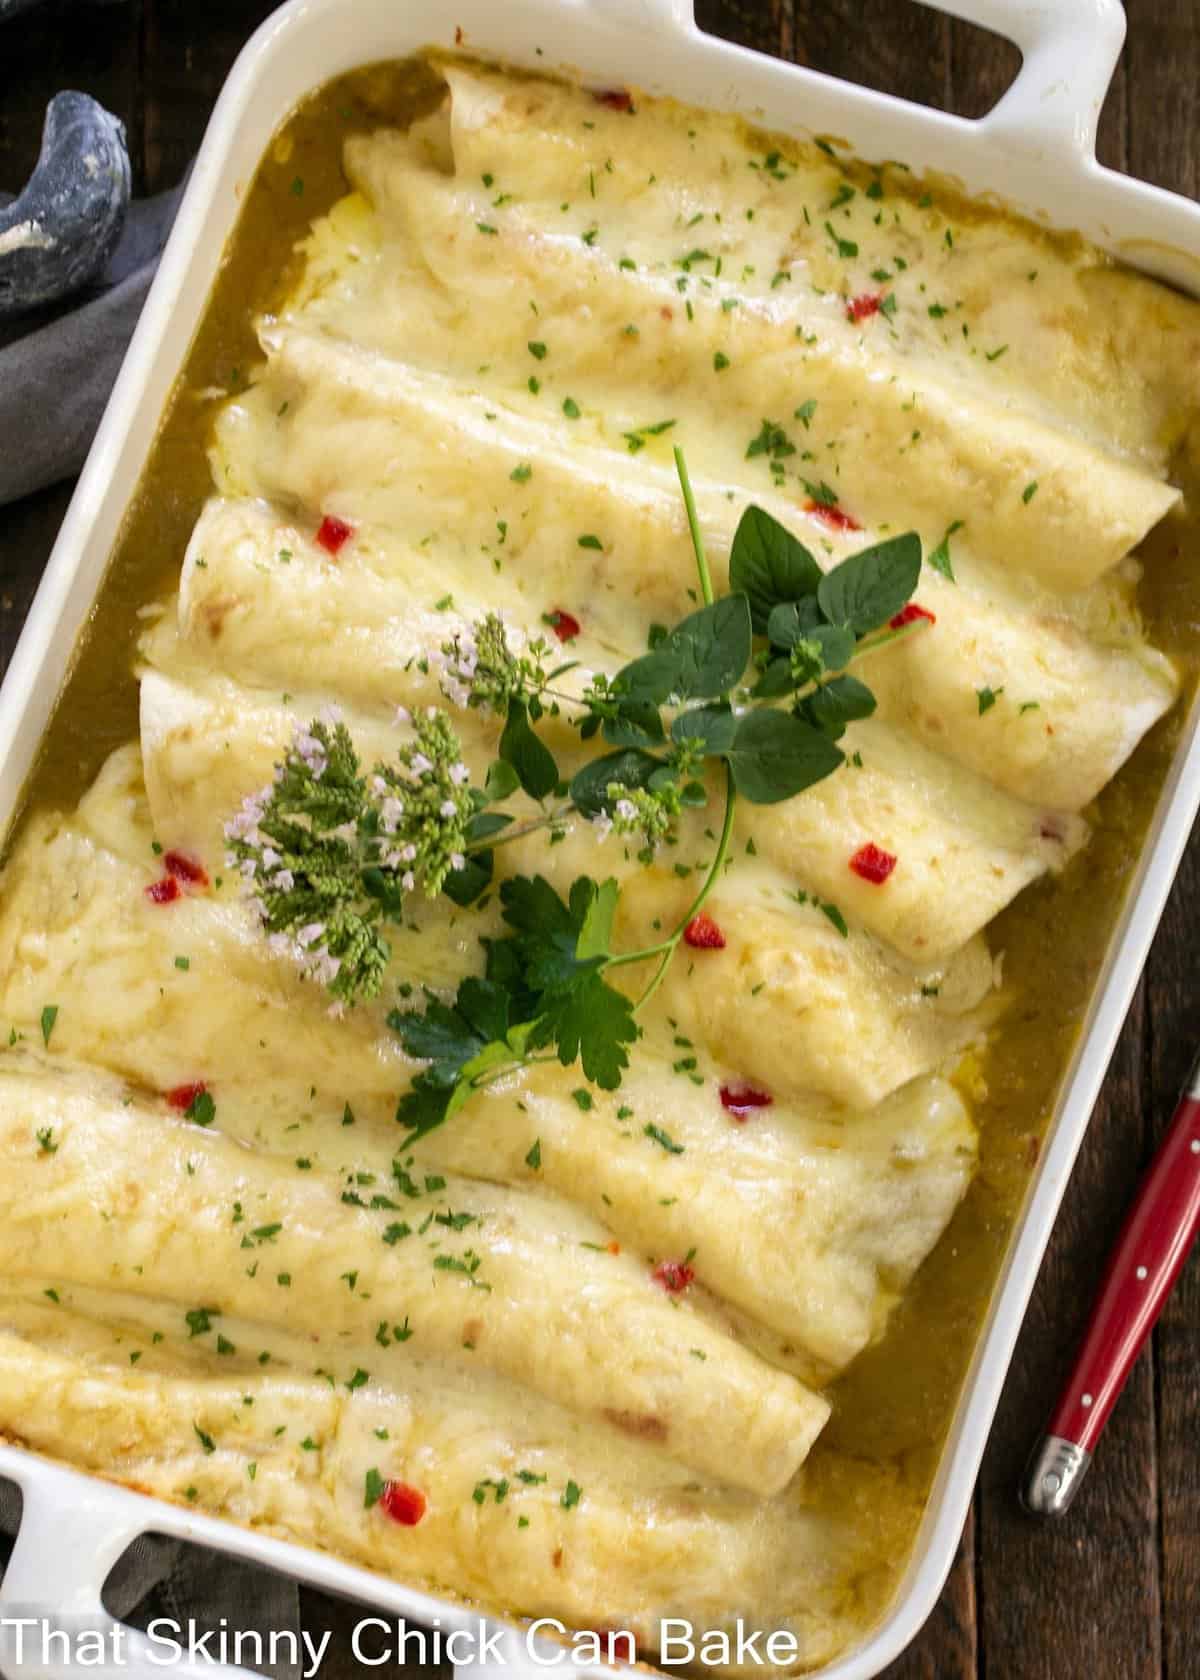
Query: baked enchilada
x,y
521,1058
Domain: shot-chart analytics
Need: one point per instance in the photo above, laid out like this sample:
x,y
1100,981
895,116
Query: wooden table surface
x,y
1114,1593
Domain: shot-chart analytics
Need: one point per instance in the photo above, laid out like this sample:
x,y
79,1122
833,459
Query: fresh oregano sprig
x,y
330,855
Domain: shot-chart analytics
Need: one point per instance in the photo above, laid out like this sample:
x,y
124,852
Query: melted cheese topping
x,y
497,335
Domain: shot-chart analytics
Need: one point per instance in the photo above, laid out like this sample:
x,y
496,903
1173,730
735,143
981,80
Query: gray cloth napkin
x,y
187,1584
57,366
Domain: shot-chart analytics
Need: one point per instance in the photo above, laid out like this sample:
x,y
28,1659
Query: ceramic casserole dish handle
x,y
73,1530
75,1527
1069,49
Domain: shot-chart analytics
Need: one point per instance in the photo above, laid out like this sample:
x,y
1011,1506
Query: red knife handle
x,y
1148,1256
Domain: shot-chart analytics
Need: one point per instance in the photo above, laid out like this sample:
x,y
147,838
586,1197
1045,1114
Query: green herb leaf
x,y
529,757
939,557
710,729
870,587
630,767
202,1109
835,704
49,1016
769,565
775,756
501,783
704,655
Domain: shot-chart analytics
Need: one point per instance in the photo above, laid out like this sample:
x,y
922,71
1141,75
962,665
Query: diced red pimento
x,y
186,869
617,99
404,1504
873,864
862,307
703,934
832,514
564,624
742,1100
909,615
333,533
673,1275
183,1096
164,891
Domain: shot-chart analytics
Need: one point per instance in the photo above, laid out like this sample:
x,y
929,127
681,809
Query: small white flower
x,y
309,934
408,853
390,813
457,860
270,857
323,967
408,881
310,751
403,715
284,881
448,808
455,691
420,764
602,823
459,775
626,810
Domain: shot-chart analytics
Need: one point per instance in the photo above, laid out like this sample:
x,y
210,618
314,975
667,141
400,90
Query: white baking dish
x,y
1036,150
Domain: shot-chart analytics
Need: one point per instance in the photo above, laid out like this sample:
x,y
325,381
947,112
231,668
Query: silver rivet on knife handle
x,y
1053,1476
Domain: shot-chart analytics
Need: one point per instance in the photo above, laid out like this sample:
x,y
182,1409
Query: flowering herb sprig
x,y
330,855
327,854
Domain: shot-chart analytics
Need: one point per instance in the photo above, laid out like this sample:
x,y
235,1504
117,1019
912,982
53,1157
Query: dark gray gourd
x,y
61,230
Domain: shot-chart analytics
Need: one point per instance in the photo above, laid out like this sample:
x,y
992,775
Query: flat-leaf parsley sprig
x,y
754,684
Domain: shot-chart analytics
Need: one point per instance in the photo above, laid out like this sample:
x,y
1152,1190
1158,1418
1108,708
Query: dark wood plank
x,y
46,50
1163,108
1090,1585
766,25
893,46
1173,989
1163,54
189,51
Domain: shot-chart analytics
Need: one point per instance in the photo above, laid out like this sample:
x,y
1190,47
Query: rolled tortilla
x,y
233,1443
966,848
123,1195
364,431
954,441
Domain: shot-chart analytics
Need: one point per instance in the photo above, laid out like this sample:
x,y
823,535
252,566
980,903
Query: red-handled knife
x,y
1148,1257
